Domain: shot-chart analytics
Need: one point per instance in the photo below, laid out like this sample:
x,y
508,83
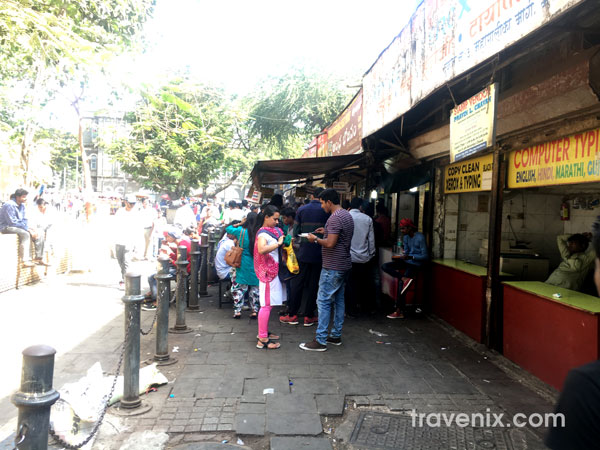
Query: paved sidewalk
x,y
357,395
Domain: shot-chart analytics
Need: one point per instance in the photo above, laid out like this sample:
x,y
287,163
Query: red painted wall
x,y
458,298
547,338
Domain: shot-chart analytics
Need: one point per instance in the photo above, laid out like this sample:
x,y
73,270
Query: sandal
x,y
268,345
272,337
253,315
237,315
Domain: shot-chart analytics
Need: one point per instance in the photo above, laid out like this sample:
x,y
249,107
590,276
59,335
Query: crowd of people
x,y
335,246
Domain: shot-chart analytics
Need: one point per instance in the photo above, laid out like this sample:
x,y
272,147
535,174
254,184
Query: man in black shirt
x,y
579,401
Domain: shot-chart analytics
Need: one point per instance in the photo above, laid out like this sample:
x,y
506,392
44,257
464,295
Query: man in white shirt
x,y
362,251
223,269
233,212
184,216
127,231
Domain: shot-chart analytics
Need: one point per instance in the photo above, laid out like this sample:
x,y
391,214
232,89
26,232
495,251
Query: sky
x,y
237,43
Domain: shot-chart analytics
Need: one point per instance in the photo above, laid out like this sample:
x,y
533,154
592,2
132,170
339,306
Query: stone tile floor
x,y
216,390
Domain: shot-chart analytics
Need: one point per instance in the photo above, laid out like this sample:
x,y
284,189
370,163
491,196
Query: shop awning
x,y
302,169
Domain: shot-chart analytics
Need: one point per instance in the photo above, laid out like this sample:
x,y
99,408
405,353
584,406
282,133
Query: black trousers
x,y
398,269
306,280
360,289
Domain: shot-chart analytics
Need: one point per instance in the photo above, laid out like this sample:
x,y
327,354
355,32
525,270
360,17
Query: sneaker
x,y
149,307
310,321
313,346
405,285
334,340
291,320
395,315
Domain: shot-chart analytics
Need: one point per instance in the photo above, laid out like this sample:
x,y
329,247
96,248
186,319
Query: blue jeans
x,y
331,296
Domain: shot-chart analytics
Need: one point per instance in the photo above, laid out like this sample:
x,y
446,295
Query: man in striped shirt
x,y
335,250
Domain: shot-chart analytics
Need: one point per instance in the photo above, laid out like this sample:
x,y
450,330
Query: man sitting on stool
x,y
406,266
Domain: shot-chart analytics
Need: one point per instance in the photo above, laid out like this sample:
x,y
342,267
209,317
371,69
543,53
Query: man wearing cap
x,y
406,266
127,231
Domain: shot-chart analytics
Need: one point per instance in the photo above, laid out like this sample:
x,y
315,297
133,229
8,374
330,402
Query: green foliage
x,y
180,138
65,149
45,45
287,112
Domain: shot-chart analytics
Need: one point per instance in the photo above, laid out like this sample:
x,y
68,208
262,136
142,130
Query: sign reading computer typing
x,y
568,160
471,175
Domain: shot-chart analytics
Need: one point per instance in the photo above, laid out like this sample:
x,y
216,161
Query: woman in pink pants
x,y
266,266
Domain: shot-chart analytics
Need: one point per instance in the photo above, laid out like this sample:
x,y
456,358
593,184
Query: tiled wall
x,y
535,219
473,224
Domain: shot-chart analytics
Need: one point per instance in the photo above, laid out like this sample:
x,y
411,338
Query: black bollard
x,y
35,398
193,294
182,275
131,404
203,265
163,279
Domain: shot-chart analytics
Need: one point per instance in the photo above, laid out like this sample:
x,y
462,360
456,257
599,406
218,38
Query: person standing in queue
x,y
335,249
269,238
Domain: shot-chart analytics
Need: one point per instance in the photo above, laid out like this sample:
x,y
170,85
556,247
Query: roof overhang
x,y
301,170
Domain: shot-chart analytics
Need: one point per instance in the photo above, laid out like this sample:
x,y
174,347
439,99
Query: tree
x,y
44,44
180,138
287,112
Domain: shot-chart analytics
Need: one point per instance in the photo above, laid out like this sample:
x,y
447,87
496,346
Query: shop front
x,y
549,329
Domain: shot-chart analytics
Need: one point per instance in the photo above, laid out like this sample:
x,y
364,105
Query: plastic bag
x,y
291,261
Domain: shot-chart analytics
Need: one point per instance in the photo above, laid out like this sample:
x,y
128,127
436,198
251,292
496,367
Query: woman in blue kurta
x,y
245,278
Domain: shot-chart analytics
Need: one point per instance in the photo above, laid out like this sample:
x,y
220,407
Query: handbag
x,y
233,257
291,261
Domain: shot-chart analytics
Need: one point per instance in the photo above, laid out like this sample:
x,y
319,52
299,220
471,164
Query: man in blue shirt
x,y
13,221
308,218
406,266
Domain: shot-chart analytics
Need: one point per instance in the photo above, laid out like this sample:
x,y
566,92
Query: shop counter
x,y
549,334
459,295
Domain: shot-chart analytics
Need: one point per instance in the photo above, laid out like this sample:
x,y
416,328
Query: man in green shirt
x,y
577,259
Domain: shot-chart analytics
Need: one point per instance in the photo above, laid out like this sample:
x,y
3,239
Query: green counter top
x,y
576,299
473,269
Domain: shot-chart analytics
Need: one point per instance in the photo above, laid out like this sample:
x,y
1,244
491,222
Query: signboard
x,y
473,124
341,186
322,147
345,134
255,197
443,39
473,175
267,192
568,160
311,150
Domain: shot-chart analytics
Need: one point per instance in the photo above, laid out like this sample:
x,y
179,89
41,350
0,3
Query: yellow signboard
x,y
568,160
472,175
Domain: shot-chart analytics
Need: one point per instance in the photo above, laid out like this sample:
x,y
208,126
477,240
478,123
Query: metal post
x,y
203,265
212,241
163,279
492,291
193,294
35,398
182,262
131,361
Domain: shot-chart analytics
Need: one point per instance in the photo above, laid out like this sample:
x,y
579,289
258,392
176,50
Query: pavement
x,y
225,393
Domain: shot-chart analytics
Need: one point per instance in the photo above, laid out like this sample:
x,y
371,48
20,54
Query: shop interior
x,y
531,220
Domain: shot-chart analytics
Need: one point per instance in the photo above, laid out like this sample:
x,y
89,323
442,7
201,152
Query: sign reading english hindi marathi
x,y
443,39
568,160
345,134
472,175
473,124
